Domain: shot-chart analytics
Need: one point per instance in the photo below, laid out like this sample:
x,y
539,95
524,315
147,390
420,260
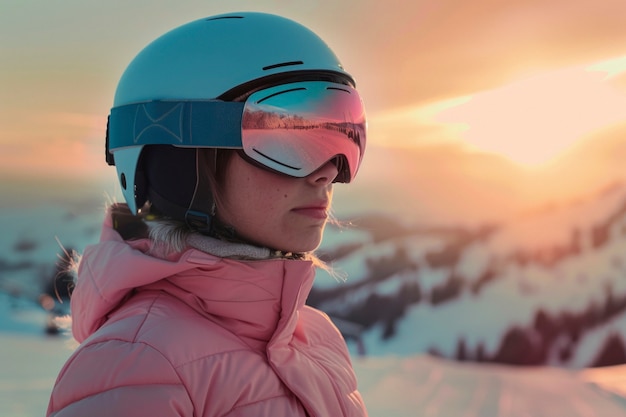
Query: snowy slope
x,y
424,386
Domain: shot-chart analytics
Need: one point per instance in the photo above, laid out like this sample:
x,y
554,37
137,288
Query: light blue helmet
x,y
217,58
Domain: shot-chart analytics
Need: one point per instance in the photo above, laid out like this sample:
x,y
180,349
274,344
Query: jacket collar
x,y
213,286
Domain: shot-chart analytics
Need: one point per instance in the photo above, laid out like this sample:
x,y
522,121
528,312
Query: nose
x,y
324,175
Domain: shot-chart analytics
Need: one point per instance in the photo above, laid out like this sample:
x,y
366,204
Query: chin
x,y
302,247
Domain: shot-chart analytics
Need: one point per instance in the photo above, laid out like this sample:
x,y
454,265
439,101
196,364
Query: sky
x,y
490,95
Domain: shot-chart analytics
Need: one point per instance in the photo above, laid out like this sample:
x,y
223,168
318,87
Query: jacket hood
x,y
112,270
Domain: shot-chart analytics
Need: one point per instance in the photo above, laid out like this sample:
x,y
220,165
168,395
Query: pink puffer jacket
x,y
200,336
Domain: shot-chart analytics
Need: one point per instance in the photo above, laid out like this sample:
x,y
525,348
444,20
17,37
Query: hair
x,y
216,161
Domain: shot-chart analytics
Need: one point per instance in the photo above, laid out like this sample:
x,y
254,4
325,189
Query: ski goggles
x,y
293,129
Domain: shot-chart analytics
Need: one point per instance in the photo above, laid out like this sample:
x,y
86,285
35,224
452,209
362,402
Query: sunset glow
x,y
533,120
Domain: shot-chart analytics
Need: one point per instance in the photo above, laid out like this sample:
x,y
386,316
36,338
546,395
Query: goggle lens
x,y
296,128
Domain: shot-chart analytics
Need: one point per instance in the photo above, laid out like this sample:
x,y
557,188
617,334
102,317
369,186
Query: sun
x,y
534,120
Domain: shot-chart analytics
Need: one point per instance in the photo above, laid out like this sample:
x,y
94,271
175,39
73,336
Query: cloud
x,y
425,51
415,125
613,68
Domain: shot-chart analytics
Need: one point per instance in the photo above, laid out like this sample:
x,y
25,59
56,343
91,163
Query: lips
x,y
315,210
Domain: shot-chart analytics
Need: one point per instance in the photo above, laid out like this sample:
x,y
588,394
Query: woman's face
x,y
274,210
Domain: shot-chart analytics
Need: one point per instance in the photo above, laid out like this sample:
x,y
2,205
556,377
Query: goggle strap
x,y
211,123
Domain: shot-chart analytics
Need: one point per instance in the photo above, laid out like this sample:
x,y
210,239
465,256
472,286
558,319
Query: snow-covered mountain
x,y
548,287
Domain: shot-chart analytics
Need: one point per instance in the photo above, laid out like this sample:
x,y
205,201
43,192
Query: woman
x,y
227,134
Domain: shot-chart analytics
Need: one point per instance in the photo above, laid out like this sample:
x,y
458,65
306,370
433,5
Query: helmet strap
x,y
199,215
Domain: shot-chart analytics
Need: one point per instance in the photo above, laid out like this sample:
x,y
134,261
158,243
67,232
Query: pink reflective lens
x,y
297,128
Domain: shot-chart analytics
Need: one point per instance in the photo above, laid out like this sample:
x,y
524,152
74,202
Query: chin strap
x,y
199,215
196,217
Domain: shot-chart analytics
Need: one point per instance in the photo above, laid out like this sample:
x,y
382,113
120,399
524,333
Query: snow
x,y
423,386
30,365
396,378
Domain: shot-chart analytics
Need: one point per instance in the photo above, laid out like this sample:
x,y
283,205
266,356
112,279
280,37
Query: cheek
x,y
267,201
252,198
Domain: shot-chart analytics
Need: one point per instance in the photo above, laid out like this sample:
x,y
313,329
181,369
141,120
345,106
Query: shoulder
x,y
318,323
169,326
319,332
114,375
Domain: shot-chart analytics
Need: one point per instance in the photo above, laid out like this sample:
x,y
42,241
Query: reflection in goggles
x,y
297,128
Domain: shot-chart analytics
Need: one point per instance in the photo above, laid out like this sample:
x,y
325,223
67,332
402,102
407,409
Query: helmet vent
x,y
224,17
283,64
